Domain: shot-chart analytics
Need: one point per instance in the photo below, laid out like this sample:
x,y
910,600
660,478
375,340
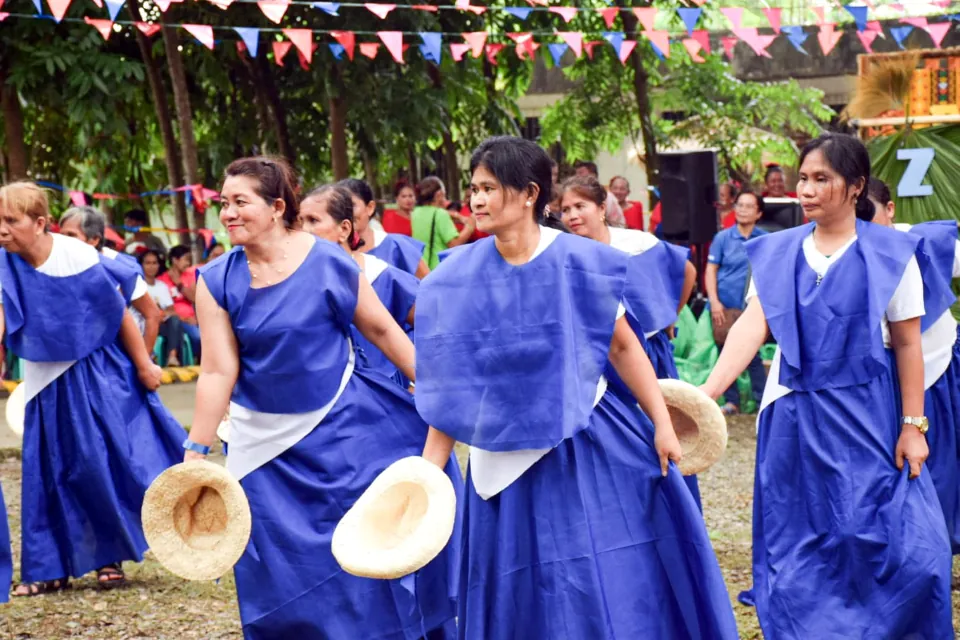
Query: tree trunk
x,y
452,165
249,73
181,97
264,80
17,158
412,165
339,161
641,93
165,120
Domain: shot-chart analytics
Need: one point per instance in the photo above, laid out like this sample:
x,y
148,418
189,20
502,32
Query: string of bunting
x,y
196,194
695,41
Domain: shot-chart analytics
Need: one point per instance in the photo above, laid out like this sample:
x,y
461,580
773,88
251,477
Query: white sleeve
x,y
956,261
162,296
907,300
621,311
751,290
139,289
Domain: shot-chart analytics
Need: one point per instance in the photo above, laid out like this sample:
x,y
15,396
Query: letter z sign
x,y
918,163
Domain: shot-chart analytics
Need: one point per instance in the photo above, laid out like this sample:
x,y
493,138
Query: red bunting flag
x,y
567,13
828,37
369,49
874,25
574,40
693,49
590,46
492,51
609,15
525,46
280,51
147,28
729,43
699,3
938,31
202,32
380,10
424,7
866,39
393,41
703,37
458,50
347,40
104,27
476,40
274,9
626,49
773,17
302,39
647,16
660,39
58,8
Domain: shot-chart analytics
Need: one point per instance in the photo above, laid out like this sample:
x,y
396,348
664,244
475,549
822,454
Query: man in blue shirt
x,y
726,280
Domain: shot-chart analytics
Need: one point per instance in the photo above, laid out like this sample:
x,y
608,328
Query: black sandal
x,y
111,576
40,588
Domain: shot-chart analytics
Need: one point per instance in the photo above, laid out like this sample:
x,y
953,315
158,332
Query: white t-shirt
x,y
160,294
632,241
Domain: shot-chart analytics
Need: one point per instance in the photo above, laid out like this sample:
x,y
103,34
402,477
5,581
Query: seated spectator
x,y
398,219
137,218
726,195
632,211
171,329
433,225
181,281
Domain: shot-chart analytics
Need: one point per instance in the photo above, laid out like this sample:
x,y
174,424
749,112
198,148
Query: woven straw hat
x,y
16,410
400,523
196,519
699,423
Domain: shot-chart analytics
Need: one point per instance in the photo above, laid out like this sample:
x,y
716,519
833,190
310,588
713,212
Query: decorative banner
x,y
615,38
492,51
432,45
330,8
393,41
105,27
202,32
690,17
280,51
302,39
626,49
251,39
574,40
660,41
347,40
476,40
647,17
918,22
609,15
380,10
148,28
589,46
557,49
693,49
521,13
567,13
369,49
337,50
773,17
113,8
900,34
866,39
797,36
755,41
222,4
938,31
828,38
703,37
729,43
819,12
734,15
58,8
458,50
274,9
859,16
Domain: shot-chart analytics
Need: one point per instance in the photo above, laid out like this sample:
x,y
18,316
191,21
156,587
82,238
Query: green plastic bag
x,y
694,350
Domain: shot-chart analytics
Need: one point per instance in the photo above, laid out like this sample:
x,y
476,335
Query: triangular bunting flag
x,y
797,37
492,50
819,12
347,39
202,32
866,39
690,17
477,10
369,49
567,13
828,38
78,199
458,50
163,4
337,50
113,8
147,28
897,6
693,49
589,47
380,10
39,7
557,49
754,40
699,3
918,22
222,4
900,34
609,15
432,43
520,38
703,37
393,41
424,7
280,51
330,8
104,27
574,40
615,38
734,15
476,40
647,16
938,31
773,17
304,62
859,16
729,43
302,39
274,9
660,41
58,8
4,15
874,25
626,49
251,38
518,12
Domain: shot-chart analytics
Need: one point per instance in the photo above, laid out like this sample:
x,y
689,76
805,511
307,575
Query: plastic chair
x,y
187,352
158,352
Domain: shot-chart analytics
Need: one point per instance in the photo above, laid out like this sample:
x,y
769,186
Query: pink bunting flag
x,y
918,22
755,41
574,40
163,4
274,9
458,50
729,43
393,41
222,4
380,10
609,15
369,49
693,49
734,15
699,3
477,10
866,39
77,198
476,40
828,38
4,15
280,51
589,46
647,16
897,6
202,32
520,38
147,28
661,39
461,4
567,13
347,40
703,37
58,8
819,12
492,51
773,17
626,49
938,31
302,39
542,3
943,4
104,27
525,45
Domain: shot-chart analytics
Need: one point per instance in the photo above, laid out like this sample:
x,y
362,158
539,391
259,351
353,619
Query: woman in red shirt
x,y
398,220
632,211
181,279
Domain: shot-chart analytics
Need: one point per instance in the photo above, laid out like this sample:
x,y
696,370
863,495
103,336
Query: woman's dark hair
x,y
772,169
516,164
156,254
275,181
848,157
749,192
427,189
586,187
339,201
879,191
400,186
178,252
358,188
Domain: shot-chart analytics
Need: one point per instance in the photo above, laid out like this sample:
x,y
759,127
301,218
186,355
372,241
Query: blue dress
x,y
844,544
296,377
590,541
94,438
403,252
6,553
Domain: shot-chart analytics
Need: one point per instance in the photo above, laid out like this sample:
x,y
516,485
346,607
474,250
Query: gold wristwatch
x,y
921,423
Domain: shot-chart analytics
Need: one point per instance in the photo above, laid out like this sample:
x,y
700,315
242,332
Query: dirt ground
x,y
159,606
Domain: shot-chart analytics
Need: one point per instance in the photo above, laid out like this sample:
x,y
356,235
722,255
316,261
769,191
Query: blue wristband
x,y
190,445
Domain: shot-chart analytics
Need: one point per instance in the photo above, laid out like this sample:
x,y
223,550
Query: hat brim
x,y
16,409
196,554
703,445
401,522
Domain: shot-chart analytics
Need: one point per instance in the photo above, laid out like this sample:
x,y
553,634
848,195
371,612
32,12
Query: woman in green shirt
x,y
433,225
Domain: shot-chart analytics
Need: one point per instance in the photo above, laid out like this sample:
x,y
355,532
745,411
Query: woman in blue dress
x,y
941,350
328,213
576,522
848,537
95,433
403,252
308,432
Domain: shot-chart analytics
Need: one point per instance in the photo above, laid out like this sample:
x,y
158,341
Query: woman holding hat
x,y
95,434
848,535
401,251
940,338
577,522
308,431
329,213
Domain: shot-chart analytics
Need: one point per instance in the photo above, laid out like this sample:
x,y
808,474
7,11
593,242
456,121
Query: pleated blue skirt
x,y
942,406
6,552
593,543
93,441
844,544
288,582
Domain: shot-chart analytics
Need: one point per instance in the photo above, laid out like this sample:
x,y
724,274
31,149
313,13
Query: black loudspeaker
x,y
688,192
780,214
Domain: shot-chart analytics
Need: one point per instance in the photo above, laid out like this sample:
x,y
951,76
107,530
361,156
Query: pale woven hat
x,y
196,519
16,409
401,522
699,423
